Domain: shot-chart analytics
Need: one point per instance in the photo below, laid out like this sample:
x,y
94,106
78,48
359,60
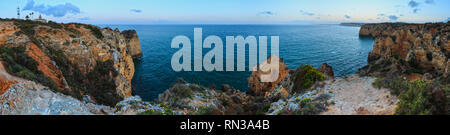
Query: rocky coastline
x,y
74,59
91,70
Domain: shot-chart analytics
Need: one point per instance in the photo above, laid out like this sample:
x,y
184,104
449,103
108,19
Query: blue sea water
x,y
339,46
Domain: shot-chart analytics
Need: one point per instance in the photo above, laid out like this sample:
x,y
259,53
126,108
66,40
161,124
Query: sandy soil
x,y
355,95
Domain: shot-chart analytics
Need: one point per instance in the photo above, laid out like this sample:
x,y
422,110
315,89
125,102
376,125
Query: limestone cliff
x,y
409,48
75,59
259,88
133,44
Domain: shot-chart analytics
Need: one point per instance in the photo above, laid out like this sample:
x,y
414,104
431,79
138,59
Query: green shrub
x,y
183,91
21,65
150,112
71,73
95,30
263,109
26,27
306,77
101,83
98,83
155,112
73,32
204,110
414,70
225,102
53,25
396,85
417,98
310,107
395,55
415,101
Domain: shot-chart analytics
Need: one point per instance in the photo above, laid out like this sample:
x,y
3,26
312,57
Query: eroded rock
x,y
69,54
259,88
408,48
327,70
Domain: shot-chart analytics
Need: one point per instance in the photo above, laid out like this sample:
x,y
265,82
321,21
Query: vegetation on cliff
x,y
27,26
412,61
73,75
418,97
19,64
78,61
101,83
94,29
305,77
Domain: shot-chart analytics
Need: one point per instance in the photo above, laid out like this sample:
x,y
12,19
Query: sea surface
x,y
339,46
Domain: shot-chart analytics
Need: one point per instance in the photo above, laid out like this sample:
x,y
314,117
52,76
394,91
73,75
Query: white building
x,y
40,19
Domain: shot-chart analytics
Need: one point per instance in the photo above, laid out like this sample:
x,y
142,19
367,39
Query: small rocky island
x,y
51,68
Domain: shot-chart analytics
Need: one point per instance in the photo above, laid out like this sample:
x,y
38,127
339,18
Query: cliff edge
x,y
409,48
412,61
74,59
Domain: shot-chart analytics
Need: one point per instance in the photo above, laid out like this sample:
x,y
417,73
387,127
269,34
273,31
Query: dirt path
x,y
355,95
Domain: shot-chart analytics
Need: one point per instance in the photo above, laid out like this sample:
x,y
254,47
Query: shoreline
x,y
294,93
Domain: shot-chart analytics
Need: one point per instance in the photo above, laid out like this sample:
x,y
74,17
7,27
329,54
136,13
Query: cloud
x,y
393,17
448,19
268,13
429,1
389,17
136,10
413,4
306,13
347,16
60,10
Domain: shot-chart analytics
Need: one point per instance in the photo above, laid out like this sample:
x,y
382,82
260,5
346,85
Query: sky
x,y
230,11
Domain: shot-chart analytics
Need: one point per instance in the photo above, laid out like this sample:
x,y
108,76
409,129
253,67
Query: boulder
x,y
259,88
327,70
133,43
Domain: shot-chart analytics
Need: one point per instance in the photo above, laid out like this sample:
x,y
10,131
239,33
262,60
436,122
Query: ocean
x,y
339,46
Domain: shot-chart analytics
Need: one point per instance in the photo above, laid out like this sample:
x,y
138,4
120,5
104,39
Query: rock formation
x,y
132,41
408,48
327,70
78,59
87,70
259,88
29,98
194,99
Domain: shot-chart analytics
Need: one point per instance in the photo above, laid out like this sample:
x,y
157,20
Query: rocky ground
x,y
352,95
356,95
90,66
29,98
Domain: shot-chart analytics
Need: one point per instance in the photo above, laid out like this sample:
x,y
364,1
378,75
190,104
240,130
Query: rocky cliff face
x,y
259,88
133,44
409,48
78,59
